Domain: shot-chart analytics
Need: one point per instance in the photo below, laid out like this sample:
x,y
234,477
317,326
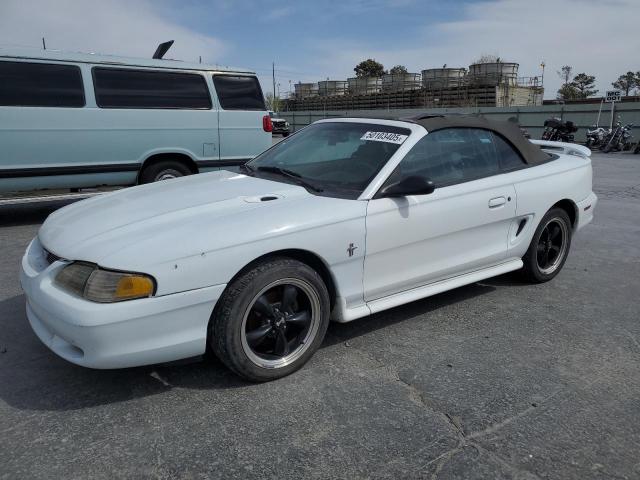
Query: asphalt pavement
x,y
499,380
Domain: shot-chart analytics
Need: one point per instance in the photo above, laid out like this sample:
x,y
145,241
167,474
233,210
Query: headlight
x,y
104,286
286,124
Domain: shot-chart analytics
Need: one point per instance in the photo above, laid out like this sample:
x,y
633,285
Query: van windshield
x,y
334,158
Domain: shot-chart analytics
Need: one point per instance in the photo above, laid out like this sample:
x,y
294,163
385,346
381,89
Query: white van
x,y
72,120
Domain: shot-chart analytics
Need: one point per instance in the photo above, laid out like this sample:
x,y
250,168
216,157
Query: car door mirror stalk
x,y
412,185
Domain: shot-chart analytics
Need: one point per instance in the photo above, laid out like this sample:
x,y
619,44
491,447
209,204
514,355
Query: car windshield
x,y
334,158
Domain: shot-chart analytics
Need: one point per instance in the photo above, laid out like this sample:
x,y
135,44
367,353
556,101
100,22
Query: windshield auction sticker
x,y
384,137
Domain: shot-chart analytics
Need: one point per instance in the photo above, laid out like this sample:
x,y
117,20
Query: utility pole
x,y
542,82
273,72
44,45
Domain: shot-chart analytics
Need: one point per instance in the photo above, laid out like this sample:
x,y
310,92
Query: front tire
x,y
549,247
270,320
164,170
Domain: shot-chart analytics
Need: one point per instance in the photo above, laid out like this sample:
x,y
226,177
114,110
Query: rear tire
x,y
549,247
164,170
270,320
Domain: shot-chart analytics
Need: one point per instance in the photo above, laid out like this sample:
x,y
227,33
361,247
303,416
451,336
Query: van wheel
x,y
164,170
270,320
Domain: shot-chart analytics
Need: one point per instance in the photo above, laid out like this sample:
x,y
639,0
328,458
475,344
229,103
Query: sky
x,y
315,40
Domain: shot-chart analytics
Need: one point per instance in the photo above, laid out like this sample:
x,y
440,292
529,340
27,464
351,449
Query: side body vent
x,y
51,257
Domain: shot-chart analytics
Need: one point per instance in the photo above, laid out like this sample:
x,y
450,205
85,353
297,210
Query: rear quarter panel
x,y
539,187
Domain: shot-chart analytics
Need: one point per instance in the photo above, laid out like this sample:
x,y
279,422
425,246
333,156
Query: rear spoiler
x,y
562,147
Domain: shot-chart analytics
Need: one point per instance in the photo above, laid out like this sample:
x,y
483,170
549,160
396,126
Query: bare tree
x,y
567,91
486,58
273,103
566,73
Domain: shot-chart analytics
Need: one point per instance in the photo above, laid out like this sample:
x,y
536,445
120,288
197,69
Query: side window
x,y
450,156
239,92
510,158
25,84
126,88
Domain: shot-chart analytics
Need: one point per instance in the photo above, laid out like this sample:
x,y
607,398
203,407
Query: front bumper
x,y
280,128
115,335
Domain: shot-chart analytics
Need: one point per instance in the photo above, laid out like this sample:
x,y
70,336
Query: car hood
x,y
172,219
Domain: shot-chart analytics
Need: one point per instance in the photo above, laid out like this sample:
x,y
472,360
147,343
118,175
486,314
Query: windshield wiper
x,y
247,168
285,172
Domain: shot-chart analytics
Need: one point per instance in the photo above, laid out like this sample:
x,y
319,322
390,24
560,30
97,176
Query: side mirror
x,y
412,185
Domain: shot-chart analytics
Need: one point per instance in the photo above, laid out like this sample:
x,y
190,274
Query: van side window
x,y
24,84
239,92
127,88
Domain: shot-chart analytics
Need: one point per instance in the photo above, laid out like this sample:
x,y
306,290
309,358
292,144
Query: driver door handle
x,y
497,202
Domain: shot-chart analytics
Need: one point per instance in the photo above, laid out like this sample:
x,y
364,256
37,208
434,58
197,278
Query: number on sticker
x,y
384,137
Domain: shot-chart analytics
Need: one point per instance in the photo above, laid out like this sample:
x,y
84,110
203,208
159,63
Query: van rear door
x,y
242,109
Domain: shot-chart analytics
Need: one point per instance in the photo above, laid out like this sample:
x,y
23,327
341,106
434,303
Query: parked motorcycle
x,y
618,139
558,131
595,136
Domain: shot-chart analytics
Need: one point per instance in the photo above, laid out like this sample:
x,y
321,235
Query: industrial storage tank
x,y
305,90
330,88
494,73
400,82
440,78
364,85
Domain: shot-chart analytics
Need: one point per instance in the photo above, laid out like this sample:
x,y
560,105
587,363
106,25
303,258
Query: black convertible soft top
x,y
531,153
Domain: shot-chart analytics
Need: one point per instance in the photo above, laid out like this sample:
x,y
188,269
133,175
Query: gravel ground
x,y
498,380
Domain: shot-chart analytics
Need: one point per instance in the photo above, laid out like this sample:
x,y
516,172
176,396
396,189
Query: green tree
x,y
584,84
567,92
398,70
627,82
369,68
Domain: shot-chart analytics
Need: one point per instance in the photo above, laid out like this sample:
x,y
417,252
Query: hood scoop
x,y
268,197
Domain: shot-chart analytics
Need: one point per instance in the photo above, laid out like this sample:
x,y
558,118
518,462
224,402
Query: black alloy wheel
x,y
271,319
549,247
278,323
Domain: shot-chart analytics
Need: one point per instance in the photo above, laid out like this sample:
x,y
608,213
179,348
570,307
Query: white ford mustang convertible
x,y
343,219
